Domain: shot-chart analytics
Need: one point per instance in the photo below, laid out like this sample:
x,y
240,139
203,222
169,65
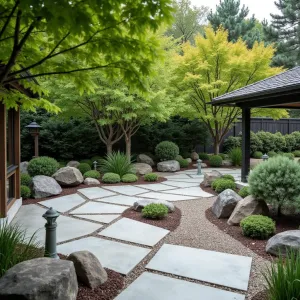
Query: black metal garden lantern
x,y
34,129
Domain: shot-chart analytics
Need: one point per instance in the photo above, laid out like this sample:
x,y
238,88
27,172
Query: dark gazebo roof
x,y
282,90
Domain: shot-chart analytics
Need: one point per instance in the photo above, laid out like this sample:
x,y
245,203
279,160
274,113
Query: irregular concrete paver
x,y
134,231
167,197
98,208
99,218
156,187
180,176
209,266
180,184
116,256
128,190
151,286
190,191
95,193
120,199
191,180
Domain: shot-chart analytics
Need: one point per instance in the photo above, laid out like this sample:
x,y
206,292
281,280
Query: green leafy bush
x,y
42,165
26,179
117,163
289,155
179,157
129,178
62,164
296,153
166,151
215,161
296,135
244,192
203,156
151,177
279,141
272,153
87,161
258,227
25,192
257,154
235,155
290,142
183,163
155,211
111,178
255,143
84,167
229,177
277,181
96,158
224,156
221,184
268,142
232,142
92,174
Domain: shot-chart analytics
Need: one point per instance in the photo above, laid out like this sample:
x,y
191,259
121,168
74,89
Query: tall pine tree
x,y
284,31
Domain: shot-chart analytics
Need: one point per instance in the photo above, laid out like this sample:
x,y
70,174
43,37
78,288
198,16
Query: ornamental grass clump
x,y
276,181
235,155
166,151
151,177
42,165
155,211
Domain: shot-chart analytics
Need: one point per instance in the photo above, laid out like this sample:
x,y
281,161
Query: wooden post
x,y
17,152
245,143
3,156
36,145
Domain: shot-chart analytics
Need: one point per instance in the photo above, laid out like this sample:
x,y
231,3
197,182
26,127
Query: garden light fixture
x,y
265,157
34,129
199,161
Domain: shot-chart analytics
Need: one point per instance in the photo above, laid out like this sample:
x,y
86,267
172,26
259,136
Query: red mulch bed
x,y
283,223
260,296
170,222
208,189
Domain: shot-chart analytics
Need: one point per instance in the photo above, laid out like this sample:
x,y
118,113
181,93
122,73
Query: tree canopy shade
x,y
214,67
41,38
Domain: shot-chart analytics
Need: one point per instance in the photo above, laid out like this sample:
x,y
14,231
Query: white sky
x,y
260,8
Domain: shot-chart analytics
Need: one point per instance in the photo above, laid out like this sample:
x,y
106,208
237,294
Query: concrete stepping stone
x,y
95,193
120,199
209,266
167,197
65,203
98,208
180,184
151,286
179,176
129,190
135,232
156,187
189,180
116,256
99,218
190,191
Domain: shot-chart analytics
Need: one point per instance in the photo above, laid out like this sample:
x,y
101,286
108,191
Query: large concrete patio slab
x,y
156,187
209,266
154,287
120,199
116,256
136,232
95,193
128,190
65,203
106,219
98,208
190,191
189,180
168,197
180,184
179,176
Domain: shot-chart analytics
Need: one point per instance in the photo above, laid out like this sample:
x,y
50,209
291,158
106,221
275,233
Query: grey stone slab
x,y
65,203
151,286
95,193
180,184
129,190
136,232
120,199
189,180
99,208
167,197
179,176
189,191
156,187
209,266
116,256
99,218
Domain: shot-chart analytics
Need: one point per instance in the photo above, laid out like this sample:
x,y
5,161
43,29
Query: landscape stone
x,y
143,158
194,156
247,207
225,203
68,176
40,279
91,181
45,186
226,163
283,241
189,160
73,163
88,268
142,168
23,167
168,166
209,177
203,165
141,203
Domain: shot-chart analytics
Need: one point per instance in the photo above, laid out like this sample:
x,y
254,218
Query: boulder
x,y
203,165
142,168
23,167
225,203
194,156
73,164
88,268
209,177
40,279
168,166
91,181
247,207
68,176
145,159
141,203
45,186
189,160
226,163
283,241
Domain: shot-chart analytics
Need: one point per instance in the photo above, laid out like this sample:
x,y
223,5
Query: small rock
x,y
141,203
142,168
143,158
40,279
194,156
209,177
189,160
226,163
168,166
68,176
73,164
45,186
88,268
23,167
91,181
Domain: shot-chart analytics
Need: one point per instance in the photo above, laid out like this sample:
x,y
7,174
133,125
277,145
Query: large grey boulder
x,y
225,203
68,176
141,203
283,241
40,279
194,156
209,177
247,207
23,167
91,181
45,186
168,166
145,159
88,268
142,168
73,163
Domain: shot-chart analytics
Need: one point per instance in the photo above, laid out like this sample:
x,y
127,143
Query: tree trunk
x,y
279,214
128,147
109,148
216,147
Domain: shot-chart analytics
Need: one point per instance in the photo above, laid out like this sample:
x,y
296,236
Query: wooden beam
x,y
17,152
245,143
3,156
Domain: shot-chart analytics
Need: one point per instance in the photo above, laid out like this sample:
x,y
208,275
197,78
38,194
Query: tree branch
x,y
9,17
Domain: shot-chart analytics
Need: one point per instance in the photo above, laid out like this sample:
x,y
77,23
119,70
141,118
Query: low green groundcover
x,y
155,211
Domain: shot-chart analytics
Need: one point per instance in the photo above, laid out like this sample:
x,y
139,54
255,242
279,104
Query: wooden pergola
x,y
279,91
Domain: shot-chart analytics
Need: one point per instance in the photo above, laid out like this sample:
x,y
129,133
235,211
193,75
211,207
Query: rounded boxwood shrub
x,y
84,167
166,151
257,155
203,156
155,211
26,179
258,227
87,161
111,178
92,174
296,153
215,160
272,153
229,177
151,177
42,165
25,192
129,178
220,185
244,192
183,163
